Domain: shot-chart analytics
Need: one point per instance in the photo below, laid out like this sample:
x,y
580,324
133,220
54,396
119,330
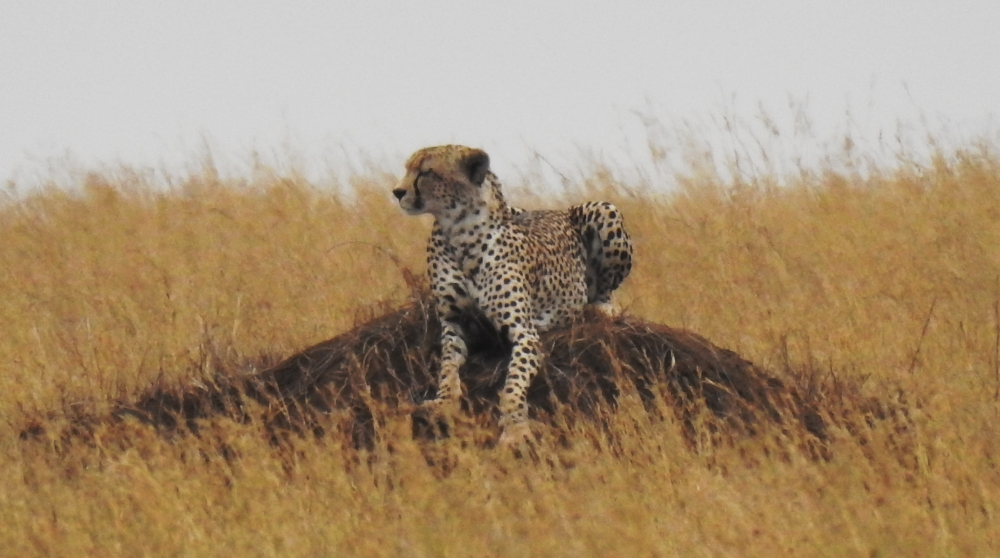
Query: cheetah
x,y
526,271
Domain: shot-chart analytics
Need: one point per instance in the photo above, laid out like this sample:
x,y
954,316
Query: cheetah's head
x,y
443,178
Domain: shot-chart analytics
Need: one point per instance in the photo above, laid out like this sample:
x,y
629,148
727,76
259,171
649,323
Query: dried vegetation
x,y
827,384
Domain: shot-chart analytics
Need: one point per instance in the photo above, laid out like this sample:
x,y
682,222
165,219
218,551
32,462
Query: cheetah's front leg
x,y
453,355
442,411
449,298
525,362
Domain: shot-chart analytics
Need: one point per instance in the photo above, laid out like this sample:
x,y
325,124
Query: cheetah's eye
x,y
426,173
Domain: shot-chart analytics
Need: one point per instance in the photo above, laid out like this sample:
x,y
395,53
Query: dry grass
x,y
882,286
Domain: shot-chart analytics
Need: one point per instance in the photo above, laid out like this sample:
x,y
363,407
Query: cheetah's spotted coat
x,y
527,271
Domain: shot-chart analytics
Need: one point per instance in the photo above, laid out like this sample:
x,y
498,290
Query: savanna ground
x,y
882,282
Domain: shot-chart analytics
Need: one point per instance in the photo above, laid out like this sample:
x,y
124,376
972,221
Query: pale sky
x,y
151,83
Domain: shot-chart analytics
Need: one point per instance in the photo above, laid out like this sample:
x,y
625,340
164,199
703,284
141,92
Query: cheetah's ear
x,y
475,165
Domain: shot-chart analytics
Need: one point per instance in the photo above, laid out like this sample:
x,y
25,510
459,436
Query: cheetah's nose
x,y
399,193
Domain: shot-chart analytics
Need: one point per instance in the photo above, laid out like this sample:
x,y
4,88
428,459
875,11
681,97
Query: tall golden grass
x,y
889,279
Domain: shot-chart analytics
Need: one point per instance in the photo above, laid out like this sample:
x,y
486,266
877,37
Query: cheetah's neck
x,y
490,209
468,229
499,203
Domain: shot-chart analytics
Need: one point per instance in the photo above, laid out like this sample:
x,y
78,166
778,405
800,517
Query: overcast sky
x,y
150,83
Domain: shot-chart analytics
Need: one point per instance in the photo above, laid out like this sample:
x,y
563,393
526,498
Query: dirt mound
x,y
390,363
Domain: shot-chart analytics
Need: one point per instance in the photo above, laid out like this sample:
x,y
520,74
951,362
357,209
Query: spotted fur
x,y
527,271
